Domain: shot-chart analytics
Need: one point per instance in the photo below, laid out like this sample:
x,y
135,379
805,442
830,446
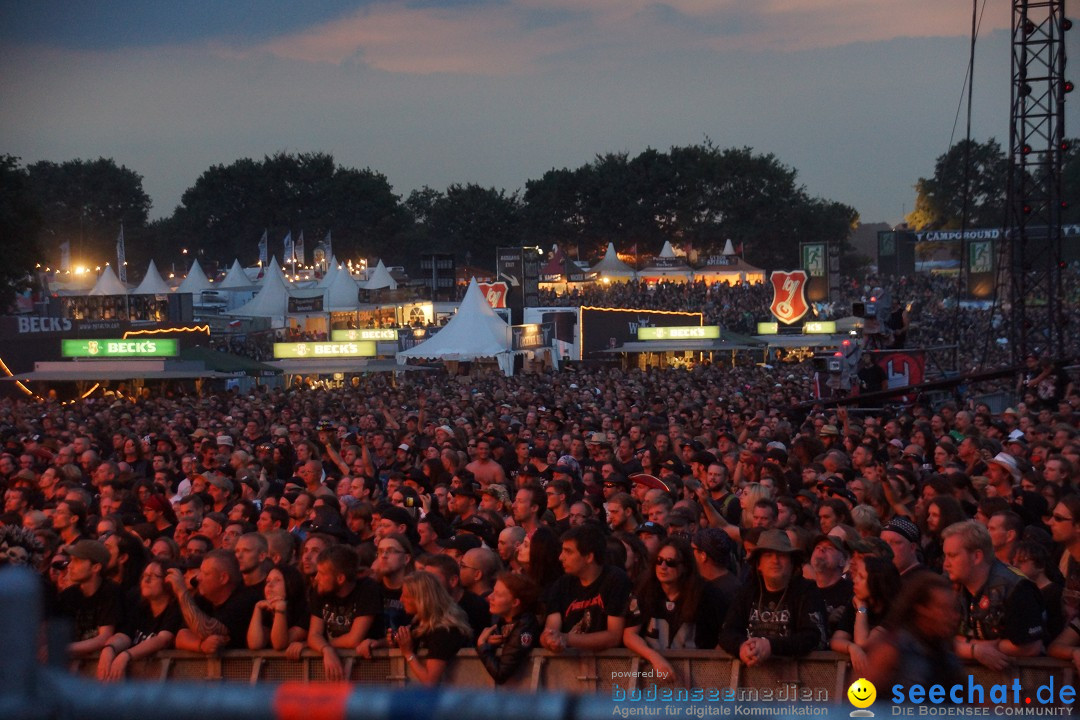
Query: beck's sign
x,y
108,348
364,334
688,332
322,350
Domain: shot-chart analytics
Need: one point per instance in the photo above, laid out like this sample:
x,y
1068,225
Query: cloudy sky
x,y
859,96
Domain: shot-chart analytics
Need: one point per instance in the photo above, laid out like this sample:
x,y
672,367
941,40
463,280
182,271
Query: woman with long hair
x,y
668,607
151,625
439,626
539,555
505,646
280,620
941,512
748,497
876,583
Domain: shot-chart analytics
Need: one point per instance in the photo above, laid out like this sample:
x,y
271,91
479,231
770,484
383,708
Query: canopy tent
x,y
612,269
667,267
343,293
108,284
380,278
195,282
730,268
236,279
273,268
152,284
474,332
272,300
332,269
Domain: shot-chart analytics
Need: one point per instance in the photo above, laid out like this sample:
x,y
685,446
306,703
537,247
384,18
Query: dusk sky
x,y
858,96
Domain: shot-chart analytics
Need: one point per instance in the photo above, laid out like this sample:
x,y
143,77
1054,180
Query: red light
x,y
1026,150
1065,145
838,354
1069,86
873,299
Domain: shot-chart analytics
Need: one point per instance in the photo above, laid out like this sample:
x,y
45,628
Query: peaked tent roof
x,y
381,278
109,284
667,265
236,279
611,266
474,332
331,270
152,284
271,301
196,281
343,292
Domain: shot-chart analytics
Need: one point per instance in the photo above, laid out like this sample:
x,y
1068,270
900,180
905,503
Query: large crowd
x,y
582,510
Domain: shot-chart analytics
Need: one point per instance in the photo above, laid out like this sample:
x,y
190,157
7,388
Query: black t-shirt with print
x,y
585,609
339,613
91,612
142,624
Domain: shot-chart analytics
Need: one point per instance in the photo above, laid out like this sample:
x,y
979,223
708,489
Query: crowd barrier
x,y
818,676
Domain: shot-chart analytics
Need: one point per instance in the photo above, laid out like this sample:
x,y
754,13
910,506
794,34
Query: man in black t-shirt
x,y
344,608
92,602
829,558
218,617
588,604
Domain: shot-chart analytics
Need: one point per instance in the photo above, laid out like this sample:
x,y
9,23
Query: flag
x,y
65,256
329,247
121,260
289,255
262,250
300,250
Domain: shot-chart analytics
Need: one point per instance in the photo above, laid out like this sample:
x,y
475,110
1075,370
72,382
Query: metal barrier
x,y
267,685
826,675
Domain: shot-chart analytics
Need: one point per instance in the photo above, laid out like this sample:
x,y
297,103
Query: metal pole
x,y
20,620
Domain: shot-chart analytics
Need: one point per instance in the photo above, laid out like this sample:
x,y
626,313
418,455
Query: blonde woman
x,y
439,626
748,497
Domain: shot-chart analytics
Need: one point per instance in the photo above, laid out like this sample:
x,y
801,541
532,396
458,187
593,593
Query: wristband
x,y
409,658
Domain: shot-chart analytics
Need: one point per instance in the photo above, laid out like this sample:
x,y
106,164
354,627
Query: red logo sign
x,y
789,295
495,293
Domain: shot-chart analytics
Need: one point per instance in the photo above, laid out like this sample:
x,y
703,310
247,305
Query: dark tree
x,y
20,224
941,201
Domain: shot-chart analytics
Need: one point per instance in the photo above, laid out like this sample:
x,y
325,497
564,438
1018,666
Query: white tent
x,y
342,293
236,279
474,332
730,268
667,267
331,270
195,282
272,300
612,269
380,278
152,284
109,284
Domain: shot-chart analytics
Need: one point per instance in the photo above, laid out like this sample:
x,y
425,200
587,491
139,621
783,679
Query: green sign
x,y
817,327
687,332
768,328
110,348
374,334
313,350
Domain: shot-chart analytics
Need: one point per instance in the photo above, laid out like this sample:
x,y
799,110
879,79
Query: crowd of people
x,y
581,510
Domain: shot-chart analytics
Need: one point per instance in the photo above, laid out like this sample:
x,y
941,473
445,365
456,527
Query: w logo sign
x,y
494,293
789,295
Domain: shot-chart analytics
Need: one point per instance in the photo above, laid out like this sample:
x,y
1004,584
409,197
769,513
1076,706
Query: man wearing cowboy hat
x,y
778,612
1004,474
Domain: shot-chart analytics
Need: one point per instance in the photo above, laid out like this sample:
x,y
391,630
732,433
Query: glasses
x,y
389,551
665,562
610,485
1061,518
59,565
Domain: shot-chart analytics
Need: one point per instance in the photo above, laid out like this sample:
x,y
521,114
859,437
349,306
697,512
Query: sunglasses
x,y
59,565
667,563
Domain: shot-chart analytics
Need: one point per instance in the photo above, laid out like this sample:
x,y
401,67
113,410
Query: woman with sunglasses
x,y
151,625
666,608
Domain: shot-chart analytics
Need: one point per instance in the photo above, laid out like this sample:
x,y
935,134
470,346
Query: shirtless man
x,y
484,469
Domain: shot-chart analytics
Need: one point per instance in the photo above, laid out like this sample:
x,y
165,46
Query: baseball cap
x,y
903,527
91,550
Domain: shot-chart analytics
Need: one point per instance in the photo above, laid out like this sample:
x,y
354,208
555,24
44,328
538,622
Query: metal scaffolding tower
x,y
1037,145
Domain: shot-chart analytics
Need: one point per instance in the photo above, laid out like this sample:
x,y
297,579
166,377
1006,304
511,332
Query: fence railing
x,y
824,675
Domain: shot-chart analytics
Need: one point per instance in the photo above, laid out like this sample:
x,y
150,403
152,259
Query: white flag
x,y
288,256
300,250
65,256
121,260
262,250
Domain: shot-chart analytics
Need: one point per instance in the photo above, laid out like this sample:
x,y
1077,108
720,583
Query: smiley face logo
x,y
862,693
